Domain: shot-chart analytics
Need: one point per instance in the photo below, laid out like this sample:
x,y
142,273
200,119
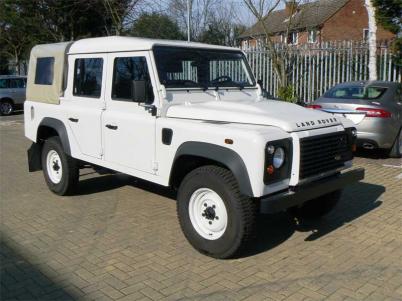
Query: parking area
x,y
119,239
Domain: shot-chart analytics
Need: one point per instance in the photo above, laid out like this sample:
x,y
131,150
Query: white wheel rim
x,y
6,108
54,166
208,213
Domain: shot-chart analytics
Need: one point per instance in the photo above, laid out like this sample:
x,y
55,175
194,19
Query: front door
x,y
17,86
84,101
128,127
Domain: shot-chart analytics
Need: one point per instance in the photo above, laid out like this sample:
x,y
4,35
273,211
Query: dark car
x,y
374,106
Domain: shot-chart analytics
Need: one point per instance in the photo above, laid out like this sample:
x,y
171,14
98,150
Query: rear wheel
x,y
214,216
396,150
6,107
318,207
60,170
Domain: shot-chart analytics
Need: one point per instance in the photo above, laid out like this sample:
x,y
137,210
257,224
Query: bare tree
x,y
122,13
202,13
281,56
372,39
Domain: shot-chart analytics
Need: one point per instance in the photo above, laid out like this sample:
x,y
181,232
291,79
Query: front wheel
x,y
318,207
214,216
60,170
6,107
396,150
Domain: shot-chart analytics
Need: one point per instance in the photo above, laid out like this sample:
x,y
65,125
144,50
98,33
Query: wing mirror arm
x,y
139,95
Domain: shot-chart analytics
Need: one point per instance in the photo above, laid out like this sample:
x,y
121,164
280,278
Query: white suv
x,y
189,116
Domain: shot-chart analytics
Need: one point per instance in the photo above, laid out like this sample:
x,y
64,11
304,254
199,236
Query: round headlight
x,y
279,157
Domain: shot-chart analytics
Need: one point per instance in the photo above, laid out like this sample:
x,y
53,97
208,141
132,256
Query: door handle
x,y
111,127
73,119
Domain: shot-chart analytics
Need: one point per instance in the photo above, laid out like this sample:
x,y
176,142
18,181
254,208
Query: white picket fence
x,y
313,69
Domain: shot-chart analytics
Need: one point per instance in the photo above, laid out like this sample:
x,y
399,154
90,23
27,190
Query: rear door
x,y
17,86
84,101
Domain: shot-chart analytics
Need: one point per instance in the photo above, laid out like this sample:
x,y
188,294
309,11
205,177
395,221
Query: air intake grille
x,y
323,153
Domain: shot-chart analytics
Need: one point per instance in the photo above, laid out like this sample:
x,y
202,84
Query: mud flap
x,y
34,157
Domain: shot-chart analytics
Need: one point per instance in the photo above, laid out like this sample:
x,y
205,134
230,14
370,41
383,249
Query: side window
x,y
125,71
4,83
17,83
44,71
88,77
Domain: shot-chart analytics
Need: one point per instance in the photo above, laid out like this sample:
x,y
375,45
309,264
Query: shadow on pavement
x,y
272,230
113,181
20,280
356,201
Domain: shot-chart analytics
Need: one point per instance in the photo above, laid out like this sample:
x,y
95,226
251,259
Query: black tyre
x,y
60,170
396,150
317,208
6,107
214,216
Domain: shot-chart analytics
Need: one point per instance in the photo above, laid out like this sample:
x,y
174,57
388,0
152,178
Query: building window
x,y
126,70
293,38
366,34
312,36
44,71
88,77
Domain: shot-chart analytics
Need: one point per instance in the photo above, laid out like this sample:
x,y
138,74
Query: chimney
x,y
291,7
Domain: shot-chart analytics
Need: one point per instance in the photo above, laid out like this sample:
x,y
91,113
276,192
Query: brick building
x,y
315,22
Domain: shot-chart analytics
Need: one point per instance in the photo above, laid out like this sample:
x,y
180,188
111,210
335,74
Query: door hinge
x,y
155,166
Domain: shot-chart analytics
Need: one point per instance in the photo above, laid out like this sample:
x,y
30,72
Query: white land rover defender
x,y
190,116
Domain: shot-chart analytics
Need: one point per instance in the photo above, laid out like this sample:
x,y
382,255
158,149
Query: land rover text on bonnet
x,y
189,116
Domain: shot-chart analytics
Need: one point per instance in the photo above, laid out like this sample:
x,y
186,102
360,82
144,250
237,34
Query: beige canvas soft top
x,y
48,93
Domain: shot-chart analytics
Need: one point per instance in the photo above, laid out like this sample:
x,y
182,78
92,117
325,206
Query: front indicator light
x,y
270,169
279,157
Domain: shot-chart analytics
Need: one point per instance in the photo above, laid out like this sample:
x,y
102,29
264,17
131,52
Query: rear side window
x,y
125,71
44,71
88,77
17,83
356,92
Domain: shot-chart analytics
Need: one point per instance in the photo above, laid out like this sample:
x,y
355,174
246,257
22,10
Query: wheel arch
x,y
7,98
191,155
49,127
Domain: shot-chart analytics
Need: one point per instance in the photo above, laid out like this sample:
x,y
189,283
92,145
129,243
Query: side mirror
x,y
138,91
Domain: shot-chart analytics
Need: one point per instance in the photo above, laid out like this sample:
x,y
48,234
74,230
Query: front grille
x,y
323,153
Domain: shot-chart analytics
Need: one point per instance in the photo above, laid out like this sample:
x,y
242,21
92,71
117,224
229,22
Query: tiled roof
x,y
309,15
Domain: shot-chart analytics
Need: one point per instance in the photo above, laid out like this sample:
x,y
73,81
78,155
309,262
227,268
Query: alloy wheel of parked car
x,y
400,142
396,150
6,108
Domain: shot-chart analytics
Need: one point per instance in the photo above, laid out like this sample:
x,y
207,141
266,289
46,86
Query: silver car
x,y
12,93
376,109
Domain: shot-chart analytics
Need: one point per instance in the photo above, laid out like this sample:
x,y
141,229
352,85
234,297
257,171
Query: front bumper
x,y
300,194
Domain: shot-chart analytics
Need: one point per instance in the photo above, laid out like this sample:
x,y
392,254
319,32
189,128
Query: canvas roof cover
x,y
50,92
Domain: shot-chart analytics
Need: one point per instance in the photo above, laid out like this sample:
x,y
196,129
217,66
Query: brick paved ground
x,y
119,240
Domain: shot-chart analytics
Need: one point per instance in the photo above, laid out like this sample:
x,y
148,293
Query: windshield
x,y
202,68
356,92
